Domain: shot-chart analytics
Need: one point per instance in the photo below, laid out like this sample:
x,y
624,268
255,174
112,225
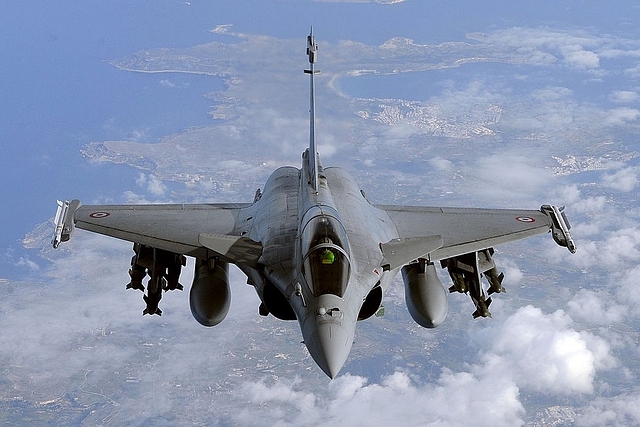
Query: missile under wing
x,y
315,250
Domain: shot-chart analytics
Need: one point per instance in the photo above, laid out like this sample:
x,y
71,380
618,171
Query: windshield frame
x,y
328,275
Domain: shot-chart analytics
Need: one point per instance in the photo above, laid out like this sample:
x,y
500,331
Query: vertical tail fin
x,y
312,158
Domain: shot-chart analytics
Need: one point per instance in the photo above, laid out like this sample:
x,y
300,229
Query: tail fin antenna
x,y
314,163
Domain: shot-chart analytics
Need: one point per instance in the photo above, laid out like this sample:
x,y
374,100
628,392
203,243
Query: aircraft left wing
x,y
189,229
466,230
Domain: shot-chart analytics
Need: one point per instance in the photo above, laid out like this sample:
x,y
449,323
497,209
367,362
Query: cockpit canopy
x,y
325,250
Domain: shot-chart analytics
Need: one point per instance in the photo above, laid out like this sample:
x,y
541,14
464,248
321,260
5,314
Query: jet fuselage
x,y
321,251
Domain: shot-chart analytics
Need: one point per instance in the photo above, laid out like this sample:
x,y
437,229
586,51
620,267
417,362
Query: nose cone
x,y
329,334
330,346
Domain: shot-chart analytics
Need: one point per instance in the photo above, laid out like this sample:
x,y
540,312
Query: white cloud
x,y
440,164
543,352
590,205
580,58
507,176
625,179
633,72
621,116
622,410
597,307
28,263
141,180
452,398
530,351
567,194
511,271
577,49
629,291
326,151
552,94
610,251
152,184
624,96
455,399
155,186
133,198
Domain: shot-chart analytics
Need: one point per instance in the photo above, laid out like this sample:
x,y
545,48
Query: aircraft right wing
x,y
466,230
189,229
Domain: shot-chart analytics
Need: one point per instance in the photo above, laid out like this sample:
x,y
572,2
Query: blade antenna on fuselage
x,y
312,52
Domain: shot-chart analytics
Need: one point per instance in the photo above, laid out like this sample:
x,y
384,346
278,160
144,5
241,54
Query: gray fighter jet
x,y
315,249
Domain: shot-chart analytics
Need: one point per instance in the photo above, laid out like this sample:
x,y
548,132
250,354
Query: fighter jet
x,y
315,249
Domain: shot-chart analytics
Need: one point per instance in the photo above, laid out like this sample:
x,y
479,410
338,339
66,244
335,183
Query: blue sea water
x,y
59,92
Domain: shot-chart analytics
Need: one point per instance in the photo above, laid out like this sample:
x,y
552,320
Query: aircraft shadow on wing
x,y
315,249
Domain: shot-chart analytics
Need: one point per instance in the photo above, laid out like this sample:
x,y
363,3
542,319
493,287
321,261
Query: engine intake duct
x,y
371,304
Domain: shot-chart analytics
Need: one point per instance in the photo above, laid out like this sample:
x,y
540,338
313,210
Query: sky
x,y
426,103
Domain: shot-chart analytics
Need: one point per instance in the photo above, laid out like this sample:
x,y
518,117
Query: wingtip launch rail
x,y
64,221
560,227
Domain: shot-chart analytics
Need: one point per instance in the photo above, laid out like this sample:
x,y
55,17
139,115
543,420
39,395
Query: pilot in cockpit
x,y
327,257
326,264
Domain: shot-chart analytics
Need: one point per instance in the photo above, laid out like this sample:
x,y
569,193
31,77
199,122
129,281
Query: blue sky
x,y
552,118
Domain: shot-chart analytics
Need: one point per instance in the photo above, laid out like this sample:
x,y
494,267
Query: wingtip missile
x,y
560,227
64,221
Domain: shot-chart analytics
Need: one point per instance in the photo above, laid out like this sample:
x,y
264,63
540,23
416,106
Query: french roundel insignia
x,y
525,219
98,215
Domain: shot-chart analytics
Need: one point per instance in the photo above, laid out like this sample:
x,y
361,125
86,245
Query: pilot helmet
x,y
327,256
